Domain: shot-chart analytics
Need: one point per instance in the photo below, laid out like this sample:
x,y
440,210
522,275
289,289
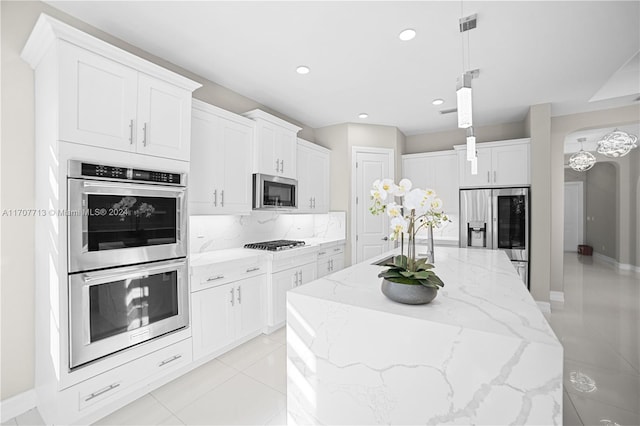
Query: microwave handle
x,y
135,272
103,184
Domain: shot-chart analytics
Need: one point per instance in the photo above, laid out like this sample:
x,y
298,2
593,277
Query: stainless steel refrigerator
x,y
497,219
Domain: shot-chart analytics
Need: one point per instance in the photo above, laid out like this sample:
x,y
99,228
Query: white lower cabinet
x,y
330,260
227,313
283,281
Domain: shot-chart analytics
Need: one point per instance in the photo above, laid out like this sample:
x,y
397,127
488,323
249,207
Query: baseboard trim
x,y
556,296
545,307
17,404
611,261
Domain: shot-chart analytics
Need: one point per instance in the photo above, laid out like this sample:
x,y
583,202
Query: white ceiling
x,y
563,53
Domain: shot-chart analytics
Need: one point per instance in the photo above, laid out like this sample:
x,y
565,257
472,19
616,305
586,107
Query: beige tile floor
x,y
598,325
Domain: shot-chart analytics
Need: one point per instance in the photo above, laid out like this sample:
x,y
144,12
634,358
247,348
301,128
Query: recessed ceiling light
x,y
438,101
363,115
406,35
303,69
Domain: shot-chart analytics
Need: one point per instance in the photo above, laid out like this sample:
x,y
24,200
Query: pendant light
x,y
617,144
464,99
582,160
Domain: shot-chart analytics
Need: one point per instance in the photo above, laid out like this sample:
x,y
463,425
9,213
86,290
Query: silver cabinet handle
x,y
310,203
222,198
215,198
239,295
314,202
322,253
168,360
296,282
300,276
131,132
336,249
488,177
277,165
144,134
281,166
101,391
332,264
257,268
329,265
495,176
233,302
218,277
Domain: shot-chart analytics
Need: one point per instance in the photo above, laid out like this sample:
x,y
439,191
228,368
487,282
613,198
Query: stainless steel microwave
x,y
274,192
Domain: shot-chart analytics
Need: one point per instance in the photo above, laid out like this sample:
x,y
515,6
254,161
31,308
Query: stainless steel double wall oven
x,y
127,247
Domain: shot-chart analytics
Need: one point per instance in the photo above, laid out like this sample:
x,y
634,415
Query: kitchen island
x,y
480,353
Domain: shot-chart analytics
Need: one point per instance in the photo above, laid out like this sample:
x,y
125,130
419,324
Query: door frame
x,y
355,150
581,208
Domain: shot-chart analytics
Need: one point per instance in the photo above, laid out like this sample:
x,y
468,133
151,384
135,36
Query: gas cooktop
x,y
275,245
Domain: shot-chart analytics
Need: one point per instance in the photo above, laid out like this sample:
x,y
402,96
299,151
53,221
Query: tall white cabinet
x,y
313,177
274,145
94,101
437,171
220,178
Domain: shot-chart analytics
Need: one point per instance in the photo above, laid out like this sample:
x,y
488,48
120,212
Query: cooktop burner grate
x,y
275,245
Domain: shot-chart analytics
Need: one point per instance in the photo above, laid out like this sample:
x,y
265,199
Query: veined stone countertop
x,y
480,353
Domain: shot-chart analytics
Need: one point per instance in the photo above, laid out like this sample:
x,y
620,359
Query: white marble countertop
x,y
482,291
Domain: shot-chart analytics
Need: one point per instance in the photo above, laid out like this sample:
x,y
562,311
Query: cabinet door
x,y
164,119
235,195
324,267
320,182
213,318
282,282
250,315
305,179
205,171
510,165
307,273
285,152
97,100
483,178
265,149
337,262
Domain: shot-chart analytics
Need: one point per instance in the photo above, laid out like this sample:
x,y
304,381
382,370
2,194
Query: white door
x,y
573,215
371,232
164,119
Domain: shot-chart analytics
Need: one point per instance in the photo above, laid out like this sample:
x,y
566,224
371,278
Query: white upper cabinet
x,y
220,178
504,163
313,177
107,97
437,171
274,145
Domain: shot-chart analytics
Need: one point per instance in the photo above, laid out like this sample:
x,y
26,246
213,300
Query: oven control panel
x,y
113,172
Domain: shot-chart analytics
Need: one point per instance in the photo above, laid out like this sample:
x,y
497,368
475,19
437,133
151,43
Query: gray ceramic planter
x,y
408,294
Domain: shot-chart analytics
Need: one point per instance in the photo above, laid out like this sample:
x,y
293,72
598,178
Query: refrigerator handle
x,y
493,214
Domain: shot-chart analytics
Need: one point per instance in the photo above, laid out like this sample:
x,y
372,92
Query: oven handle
x,y
129,273
102,184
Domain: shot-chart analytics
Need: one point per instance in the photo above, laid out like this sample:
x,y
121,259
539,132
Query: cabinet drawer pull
x,y
322,253
215,278
101,391
168,360
336,249
257,268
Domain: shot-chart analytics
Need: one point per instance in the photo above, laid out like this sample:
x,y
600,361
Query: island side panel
x,y
351,365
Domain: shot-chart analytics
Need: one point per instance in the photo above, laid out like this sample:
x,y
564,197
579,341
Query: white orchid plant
x,y
419,208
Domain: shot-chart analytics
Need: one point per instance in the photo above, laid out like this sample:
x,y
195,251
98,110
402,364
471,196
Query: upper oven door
x,y
115,224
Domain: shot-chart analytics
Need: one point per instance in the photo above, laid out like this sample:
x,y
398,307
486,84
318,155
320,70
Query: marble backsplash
x,y
208,233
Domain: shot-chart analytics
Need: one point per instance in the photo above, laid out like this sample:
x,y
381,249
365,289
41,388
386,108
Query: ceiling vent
x,y
448,111
468,22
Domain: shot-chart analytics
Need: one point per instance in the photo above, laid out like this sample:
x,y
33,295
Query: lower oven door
x,y
114,309
117,223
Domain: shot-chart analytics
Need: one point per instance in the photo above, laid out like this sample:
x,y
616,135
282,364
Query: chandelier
x,y
617,144
582,160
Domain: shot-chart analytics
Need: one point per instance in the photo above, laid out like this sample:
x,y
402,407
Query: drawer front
x,y
325,252
292,262
111,383
223,273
